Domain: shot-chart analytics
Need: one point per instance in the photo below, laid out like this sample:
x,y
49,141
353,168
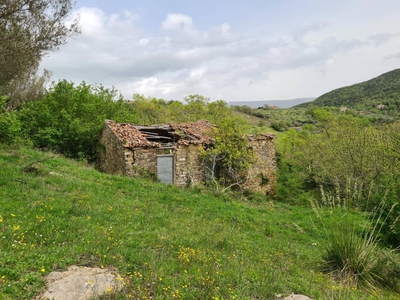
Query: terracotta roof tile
x,y
199,132
130,136
187,133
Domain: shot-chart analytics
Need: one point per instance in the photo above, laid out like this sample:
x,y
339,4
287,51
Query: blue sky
x,y
230,50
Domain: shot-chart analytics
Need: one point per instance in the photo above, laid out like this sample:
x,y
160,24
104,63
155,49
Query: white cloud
x,y
180,58
176,22
383,38
197,73
225,28
150,86
143,42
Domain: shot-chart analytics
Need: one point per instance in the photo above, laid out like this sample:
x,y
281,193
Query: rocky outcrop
x,y
80,283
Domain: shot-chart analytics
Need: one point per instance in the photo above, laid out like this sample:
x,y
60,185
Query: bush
x,y
352,252
346,156
351,257
390,232
10,127
70,118
279,126
291,188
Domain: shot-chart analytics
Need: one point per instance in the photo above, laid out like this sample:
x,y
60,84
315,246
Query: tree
x,y
150,110
196,107
228,160
29,29
29,86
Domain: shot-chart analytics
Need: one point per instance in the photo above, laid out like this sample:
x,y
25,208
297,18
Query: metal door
x,y
165,168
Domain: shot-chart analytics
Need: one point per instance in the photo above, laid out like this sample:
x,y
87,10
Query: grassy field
x,y
256,125
166,242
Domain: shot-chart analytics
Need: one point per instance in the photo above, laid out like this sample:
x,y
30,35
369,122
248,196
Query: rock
x,y
297,297
55,174
80,283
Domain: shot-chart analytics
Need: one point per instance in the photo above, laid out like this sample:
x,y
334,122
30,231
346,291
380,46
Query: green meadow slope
x,y
166,242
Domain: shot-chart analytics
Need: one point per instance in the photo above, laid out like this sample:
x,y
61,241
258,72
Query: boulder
x,y
297,297
80,283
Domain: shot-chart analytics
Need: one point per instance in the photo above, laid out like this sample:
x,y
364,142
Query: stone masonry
x,y
262,173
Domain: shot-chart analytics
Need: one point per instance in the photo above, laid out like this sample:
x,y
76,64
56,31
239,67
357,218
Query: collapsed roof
x,y
156,136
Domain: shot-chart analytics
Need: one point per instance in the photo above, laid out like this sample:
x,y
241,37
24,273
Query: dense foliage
x,y
348,158
69,119
10,126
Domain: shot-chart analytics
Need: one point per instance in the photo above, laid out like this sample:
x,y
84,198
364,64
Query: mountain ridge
x,y
383,89
280,103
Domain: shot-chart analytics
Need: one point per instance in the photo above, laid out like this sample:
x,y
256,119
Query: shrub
x,y
10,127
390,232
352,252
351,257
291,186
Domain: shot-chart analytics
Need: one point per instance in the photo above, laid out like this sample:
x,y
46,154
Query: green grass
x,y
166,242
263,120
256,125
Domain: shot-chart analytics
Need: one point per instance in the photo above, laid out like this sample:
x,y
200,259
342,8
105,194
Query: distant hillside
x,y
384,89
279,103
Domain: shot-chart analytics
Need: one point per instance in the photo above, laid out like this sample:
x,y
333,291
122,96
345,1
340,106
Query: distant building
x,y
380,106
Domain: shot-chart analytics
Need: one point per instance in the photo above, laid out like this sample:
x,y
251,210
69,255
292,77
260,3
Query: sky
x,y
231,50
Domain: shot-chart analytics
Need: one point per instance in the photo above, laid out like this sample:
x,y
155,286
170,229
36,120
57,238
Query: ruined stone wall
x,y
262,174
140,162
189,170
111,158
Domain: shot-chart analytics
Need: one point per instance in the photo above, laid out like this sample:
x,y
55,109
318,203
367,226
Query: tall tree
x,y
29,29
29,86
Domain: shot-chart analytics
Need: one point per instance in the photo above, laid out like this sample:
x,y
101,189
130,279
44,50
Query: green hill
x,y
166,242
384,89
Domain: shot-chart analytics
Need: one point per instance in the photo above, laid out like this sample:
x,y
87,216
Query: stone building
x,y
173,153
